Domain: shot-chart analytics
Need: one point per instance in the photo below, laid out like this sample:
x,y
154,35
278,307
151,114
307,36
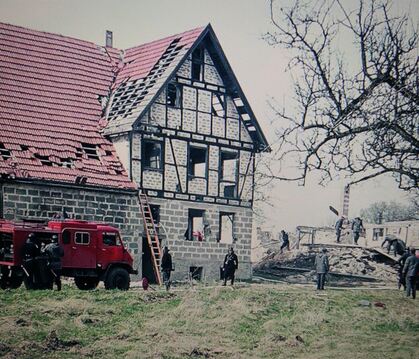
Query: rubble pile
x,y
349,261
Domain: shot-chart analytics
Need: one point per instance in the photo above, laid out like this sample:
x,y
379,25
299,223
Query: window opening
x,y
90,151
4,152
196,224
197,162
152,155
173,95
195,273
227,228
82,238
228,166
66,236
218,104
110,239
197,64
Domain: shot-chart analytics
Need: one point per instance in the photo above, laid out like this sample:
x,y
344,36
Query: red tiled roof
x,y
50,90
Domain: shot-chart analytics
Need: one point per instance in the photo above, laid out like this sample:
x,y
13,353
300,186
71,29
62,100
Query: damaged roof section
x,y
50,109
142,74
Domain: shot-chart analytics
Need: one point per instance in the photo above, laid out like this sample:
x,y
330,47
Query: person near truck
x,y
322,268
357,228
166,267
30,251
54,252
230,264
410,272
339,227
285,241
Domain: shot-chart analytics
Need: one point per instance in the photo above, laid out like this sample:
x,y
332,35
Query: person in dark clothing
x,y
401,262
410,272
30,252
338,228
231,263
322,268
166,267
285,241
54,252
397,244
357,228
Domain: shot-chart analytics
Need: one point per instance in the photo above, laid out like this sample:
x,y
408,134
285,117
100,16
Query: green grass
x,y
257,321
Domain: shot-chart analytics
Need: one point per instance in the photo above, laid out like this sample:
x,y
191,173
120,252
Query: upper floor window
x,y
197,166
173,95
152,154
197,64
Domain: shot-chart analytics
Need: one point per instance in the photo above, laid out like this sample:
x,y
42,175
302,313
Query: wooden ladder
x,y
152,235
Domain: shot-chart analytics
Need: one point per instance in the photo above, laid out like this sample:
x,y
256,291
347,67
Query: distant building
x,y
408,231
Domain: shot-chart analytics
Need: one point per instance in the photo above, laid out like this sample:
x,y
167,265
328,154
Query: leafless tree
x,y
356,114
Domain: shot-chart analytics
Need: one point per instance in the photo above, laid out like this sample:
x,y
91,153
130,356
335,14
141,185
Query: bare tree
x,y
380,212
357,114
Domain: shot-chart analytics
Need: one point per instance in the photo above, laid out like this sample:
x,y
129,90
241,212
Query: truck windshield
x,y
6,245
111,239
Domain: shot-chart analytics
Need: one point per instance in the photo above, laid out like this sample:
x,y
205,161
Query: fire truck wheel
x,y
12,282
86,283
117,278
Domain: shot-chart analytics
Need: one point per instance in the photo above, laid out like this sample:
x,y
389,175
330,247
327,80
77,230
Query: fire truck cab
x,y
93,252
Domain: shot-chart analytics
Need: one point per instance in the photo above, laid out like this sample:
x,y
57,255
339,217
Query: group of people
x,y
42,262
408,270
228,269
357,228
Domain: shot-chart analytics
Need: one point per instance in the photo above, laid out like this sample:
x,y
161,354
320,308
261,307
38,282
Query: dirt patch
x,y
4,349
157,297
52,342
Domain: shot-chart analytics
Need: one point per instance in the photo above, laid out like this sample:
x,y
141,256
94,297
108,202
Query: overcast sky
x,y
260,69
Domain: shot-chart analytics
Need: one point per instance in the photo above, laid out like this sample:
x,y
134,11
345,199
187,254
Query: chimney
x,y
109,38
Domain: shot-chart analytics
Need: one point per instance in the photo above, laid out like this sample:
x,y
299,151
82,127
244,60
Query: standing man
x,y
285,241
166,267
357,228
231,263
30,252
338,228
401,262
410,272
322,268
54,252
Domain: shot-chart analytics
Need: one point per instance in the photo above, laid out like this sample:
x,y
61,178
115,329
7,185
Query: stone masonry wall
x,y
208,254
119,209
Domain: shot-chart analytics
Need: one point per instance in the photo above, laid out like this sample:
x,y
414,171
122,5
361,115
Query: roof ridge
x,y
29,30
181,34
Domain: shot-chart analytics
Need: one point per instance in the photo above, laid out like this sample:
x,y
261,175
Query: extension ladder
x,y
152,235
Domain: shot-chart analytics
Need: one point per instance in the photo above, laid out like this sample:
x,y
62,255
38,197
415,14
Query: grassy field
x,y
249,321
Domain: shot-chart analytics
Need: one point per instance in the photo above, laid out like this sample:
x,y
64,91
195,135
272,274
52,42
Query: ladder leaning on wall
x,y
152,235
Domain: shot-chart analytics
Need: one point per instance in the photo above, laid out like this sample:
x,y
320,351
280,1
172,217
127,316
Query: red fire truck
x,y
93,252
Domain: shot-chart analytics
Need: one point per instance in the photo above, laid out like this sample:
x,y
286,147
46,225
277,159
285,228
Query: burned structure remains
x,y
85,128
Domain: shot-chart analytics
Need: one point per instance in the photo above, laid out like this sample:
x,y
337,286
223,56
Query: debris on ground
x,y
364,303
347,264
380,305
